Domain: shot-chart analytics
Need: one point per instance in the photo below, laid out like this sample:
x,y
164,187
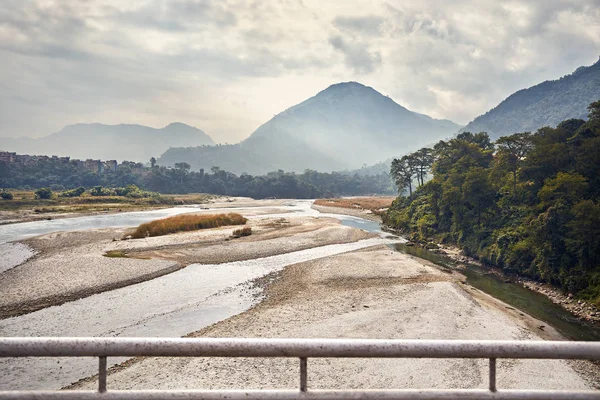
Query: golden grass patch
x,y
185,223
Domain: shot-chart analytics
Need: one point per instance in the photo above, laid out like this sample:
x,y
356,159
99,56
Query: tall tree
x,y
511,150
423,159
402,171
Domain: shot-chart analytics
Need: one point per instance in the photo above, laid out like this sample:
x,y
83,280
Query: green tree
x,y
511,150
43,193
402,171
152,162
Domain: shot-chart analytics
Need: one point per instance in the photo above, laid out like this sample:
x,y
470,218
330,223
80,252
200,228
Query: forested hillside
x,y
528,203
545,104
59,176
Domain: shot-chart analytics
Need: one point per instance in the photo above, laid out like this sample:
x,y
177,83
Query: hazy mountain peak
x,y
545,104
343,126
130,142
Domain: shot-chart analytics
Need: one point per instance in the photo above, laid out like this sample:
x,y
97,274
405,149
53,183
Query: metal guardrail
x,y
301,349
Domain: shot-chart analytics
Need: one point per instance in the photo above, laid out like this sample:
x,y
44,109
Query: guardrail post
x,y
492,374
102,374
303,374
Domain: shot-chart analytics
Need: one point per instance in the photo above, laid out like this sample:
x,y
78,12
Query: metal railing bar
x,y
359,348
102,374
432,394
303,374
492,374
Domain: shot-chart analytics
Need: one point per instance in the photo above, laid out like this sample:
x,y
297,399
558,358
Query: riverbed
x,y
200,295
171,305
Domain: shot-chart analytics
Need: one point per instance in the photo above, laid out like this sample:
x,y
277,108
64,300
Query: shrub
x,y
102,191
73,192
245,231
43,193
186,222
6,195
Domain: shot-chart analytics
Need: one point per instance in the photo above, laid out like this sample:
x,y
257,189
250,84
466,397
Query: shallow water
x,y
533,303
172,305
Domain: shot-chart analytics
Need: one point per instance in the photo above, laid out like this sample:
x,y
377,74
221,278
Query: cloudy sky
x,y
227,66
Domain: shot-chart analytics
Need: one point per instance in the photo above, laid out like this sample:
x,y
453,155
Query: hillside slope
x,y
545,104
120,142
344,126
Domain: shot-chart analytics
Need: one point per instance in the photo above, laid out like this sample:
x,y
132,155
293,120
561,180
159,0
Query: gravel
x,y
371,293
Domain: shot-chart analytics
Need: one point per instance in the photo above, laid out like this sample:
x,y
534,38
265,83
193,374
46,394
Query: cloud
x,y
368,25
227,66
356,55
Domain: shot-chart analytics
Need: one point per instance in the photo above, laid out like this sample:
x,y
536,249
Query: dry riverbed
x,y
72,265
371,293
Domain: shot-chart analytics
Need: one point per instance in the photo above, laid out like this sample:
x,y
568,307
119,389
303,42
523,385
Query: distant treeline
x,y
60,176
528,203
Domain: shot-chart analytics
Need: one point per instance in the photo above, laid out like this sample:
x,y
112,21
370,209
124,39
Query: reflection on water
x,y
529,301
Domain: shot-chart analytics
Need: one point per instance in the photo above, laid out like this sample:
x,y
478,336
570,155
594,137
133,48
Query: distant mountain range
x,y
545,104
344,126
110,142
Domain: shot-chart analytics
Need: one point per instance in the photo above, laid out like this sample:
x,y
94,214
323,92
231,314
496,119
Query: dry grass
x,y
115,254
25,200
245,231
186,222
358,203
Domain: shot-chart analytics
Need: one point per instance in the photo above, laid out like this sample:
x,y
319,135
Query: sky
x,y
228,66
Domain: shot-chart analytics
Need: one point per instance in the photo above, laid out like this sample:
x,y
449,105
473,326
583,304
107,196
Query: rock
x,y
409,244
431,246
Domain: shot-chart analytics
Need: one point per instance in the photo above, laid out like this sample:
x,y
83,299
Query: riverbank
x,y
71,265
370,293
25,208
585,311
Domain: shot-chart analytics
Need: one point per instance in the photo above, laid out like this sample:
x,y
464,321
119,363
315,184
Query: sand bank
x,y
371,293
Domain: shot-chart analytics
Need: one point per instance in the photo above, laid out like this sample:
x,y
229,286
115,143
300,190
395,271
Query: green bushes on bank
x,y
529,204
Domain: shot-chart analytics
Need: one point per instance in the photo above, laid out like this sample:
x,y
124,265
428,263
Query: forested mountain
x,y
545,104
344,126
109,142
530,203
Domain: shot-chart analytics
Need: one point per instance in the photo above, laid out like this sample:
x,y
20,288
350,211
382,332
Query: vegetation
x,y
362,203
530,204
66,178
116,254
545,104
24,200
43,193
186,222
245,231
6,195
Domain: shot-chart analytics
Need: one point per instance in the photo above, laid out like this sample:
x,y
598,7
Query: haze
x,y
228,66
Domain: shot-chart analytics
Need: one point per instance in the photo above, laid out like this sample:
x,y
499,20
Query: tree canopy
x,y
528,203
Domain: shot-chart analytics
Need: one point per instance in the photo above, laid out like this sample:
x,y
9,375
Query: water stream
x,y
533,303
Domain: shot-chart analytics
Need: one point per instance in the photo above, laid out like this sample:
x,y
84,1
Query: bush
x,y
6,195
43,193
186,222
102,191
245,231
74,192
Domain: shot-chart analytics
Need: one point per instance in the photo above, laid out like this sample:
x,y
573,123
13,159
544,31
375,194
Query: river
x,y
172,305
200,295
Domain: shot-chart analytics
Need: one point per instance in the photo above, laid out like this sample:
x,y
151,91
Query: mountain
x,y
110,142
546,104
344,126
